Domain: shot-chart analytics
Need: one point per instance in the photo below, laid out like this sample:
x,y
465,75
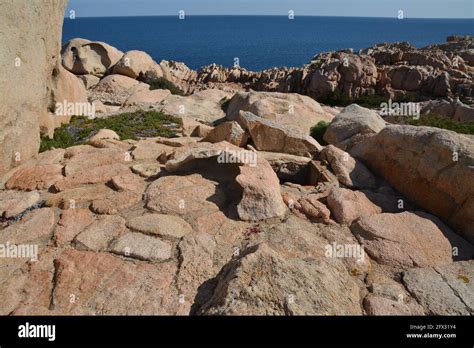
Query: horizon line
x,y
264,15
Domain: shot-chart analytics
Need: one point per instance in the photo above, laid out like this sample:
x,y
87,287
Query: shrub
x,y
443,122
317,132
134,125
162,83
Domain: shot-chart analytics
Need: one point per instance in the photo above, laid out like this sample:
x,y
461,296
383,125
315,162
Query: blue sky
x,y
358,8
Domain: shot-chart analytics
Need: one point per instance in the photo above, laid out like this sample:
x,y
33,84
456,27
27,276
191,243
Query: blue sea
x,y
259,42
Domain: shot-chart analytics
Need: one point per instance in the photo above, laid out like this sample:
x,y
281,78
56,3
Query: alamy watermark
x,y
355,251
22,251
400,109
75,109
238,156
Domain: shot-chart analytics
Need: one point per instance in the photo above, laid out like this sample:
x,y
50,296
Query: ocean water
x,y
259,42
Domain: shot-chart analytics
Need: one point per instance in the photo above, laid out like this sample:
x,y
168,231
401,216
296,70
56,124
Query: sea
x,y
256,42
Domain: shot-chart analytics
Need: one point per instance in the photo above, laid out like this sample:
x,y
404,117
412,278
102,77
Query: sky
x,y
356,8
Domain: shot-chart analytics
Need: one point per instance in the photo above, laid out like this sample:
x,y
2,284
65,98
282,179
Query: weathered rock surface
x,y
39,177
99,235
443,290
71,223
430,166
104,284
353,124
205,105
142,247
270,136
35,227
116,89
227,131
29,56
262,282
84,57
349,171
346,205
161,225
144,98
135,64
260,197
13,203
392,239
292,110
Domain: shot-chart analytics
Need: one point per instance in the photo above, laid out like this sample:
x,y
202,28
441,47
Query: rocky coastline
x,y
241,211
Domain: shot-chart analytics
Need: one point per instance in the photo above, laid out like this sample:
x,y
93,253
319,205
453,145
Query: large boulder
x,y
348,74
349,171
283,108
258,184
205,106
430,166
84,57
116,89
68,98
408,239
274,137
135,64
351,125
264,282
347,205
145,98
227,131
30,32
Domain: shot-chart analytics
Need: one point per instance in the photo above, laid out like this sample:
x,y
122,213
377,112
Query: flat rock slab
x,y
184,195
443,290
71,223
148,169
92,175
13,203
35,227
101,233
104,284
160,224
40,177
113,202
142,247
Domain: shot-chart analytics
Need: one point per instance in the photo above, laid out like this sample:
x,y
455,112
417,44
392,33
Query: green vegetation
x,y
162,83
140,124
438,121
317,132
367,101
434,120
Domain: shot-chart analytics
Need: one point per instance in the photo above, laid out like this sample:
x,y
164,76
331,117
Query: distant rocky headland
x,y
292,191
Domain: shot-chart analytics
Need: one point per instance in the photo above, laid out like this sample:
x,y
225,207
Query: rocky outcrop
x,y
84,57
391,240
430,166
271,136
116,89
30,56
443,290
353,124
284,108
